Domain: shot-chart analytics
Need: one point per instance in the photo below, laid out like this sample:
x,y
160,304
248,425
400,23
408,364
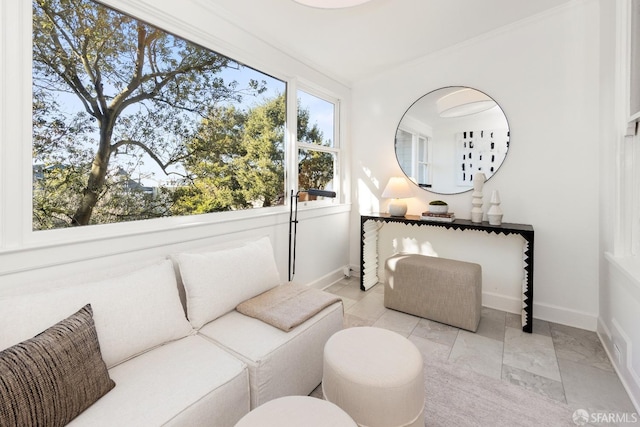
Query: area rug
x,y
460,397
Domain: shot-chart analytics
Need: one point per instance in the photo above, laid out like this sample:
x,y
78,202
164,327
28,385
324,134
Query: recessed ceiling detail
x,y
354,43
464,102
331,4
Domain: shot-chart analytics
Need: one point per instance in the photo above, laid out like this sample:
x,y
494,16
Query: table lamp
x,y
397,189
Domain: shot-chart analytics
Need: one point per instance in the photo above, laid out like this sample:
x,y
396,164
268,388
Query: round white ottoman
x,y
376,376
296,411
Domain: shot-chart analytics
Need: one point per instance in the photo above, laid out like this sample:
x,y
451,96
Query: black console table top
x,y
462,224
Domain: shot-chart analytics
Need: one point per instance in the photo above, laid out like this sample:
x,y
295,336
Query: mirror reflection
x,y
448,135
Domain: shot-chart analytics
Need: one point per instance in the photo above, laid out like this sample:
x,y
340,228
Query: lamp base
x,y
397,207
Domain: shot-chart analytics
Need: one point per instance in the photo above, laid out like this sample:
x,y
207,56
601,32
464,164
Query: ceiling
x,y
352,43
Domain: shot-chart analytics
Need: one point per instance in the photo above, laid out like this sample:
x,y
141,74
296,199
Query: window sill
x,y
230,220
153,236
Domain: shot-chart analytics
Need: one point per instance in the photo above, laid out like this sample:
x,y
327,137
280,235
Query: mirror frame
x,y
484,134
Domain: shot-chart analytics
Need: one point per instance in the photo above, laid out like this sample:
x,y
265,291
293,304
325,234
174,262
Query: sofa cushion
x,y
132,312
54,376
280,363
216,282
188,382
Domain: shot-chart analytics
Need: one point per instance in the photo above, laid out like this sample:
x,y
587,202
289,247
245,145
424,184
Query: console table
x,y
370,224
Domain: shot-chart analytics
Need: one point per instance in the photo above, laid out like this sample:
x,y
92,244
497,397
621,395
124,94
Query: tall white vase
x,y
476,197
495,211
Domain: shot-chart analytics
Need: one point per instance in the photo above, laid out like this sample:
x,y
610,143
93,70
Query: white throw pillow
x,y
216,282
132,312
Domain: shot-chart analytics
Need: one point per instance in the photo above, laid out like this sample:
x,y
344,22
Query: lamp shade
x,y
463,103
397,188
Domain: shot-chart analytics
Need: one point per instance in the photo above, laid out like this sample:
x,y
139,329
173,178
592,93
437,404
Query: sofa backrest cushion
x,y
216,282
132,313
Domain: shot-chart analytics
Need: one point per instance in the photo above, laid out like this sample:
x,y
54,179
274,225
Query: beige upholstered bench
x,y
440,289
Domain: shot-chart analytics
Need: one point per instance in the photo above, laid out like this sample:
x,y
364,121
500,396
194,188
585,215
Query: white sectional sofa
x,y
195,362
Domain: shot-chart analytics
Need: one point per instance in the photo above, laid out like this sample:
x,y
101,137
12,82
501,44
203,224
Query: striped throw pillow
x,y
51,378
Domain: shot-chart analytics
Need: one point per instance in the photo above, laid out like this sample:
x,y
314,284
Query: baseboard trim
x,y
502,303
328,279
629,378
566,316
548,312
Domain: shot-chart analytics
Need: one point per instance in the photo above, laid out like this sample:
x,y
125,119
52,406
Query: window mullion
x,y
291,156
16,110
316,147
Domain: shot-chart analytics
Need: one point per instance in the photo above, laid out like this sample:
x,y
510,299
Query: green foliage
x,y
140,94
315,169
212,162
137,89
261,170
55,190
238,158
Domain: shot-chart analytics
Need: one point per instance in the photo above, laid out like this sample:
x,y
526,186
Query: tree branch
x,y
150,152
68,73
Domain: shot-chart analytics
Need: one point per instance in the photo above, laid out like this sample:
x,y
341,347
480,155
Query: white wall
x,y
618,324
619,276
544,74
30,258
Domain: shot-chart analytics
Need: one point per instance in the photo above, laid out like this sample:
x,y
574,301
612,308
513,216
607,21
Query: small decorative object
x,y
495,211
438,207
397,189
478,182
438,211
438,217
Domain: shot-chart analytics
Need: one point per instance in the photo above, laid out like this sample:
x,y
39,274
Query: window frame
x,y
627,233
423,163
416,161
16,233
335,150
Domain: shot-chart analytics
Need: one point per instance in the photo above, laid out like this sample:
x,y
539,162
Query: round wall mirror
x,y
449,135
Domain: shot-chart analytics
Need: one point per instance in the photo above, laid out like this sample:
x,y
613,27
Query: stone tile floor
x,y
561,362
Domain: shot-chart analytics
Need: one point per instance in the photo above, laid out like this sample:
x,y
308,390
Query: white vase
x,y
476,197
478,181
495,211
476,210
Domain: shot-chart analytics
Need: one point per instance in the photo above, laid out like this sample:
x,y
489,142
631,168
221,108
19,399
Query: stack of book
x,y
439,217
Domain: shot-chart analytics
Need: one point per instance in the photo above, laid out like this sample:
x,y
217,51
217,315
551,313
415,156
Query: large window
x,y
131,122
